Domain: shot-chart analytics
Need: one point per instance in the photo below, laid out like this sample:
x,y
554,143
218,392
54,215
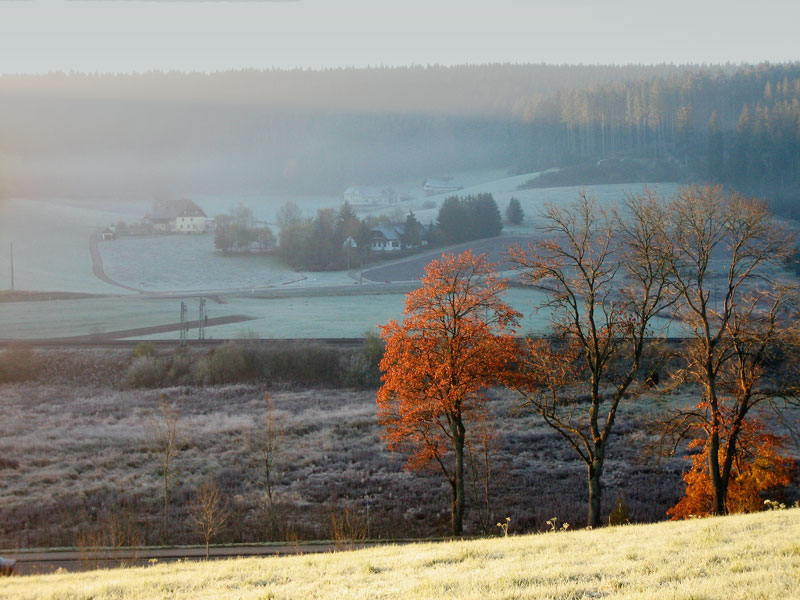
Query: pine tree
x,y
715,148
514,213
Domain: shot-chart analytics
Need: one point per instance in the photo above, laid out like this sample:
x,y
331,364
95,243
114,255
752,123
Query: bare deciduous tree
x,y
265,441
722,252
606,281
162,433
209,512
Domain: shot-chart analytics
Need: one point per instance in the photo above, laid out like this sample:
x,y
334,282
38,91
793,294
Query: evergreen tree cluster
x,y
461,219
740,128
738,125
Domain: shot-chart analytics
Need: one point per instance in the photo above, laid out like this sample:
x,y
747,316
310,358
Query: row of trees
x,y
740,128
705,258
339,239
413,121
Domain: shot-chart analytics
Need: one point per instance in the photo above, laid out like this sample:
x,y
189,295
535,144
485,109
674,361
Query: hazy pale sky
x,y
121,36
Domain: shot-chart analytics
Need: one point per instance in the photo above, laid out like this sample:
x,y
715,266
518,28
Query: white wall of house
x,y
195,224
386,245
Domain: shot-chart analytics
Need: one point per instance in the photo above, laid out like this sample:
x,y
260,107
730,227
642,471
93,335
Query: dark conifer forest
x,y
156,134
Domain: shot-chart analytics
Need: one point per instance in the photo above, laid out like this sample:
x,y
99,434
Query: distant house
x,y
108,234
390,237
431,187
366,195
181,216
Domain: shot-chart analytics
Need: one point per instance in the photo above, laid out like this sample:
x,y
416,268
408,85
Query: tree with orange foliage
x,y
454,342
757,466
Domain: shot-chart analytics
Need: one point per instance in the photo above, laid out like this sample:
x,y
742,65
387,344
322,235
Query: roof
x,y
395,231
445,184
391,231
370,191
167,210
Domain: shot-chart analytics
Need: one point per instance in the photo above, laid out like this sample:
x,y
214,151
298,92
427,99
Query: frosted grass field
x,y
739,557
292,317
187,263
51,245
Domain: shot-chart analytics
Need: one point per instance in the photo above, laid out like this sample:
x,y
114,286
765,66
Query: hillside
x,y
745,556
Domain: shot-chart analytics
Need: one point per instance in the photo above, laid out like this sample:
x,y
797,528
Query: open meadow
x,y
738,557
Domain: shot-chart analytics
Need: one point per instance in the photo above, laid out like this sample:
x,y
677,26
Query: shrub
x,y
146,372
18,363
144,349
621,515
226,364
362,368
180,370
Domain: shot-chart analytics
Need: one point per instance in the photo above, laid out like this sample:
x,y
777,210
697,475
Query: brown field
x,y
77,467
75,455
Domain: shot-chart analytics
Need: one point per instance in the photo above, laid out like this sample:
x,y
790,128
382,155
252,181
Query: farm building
x,y
108,234
391,237
369,194
431,187
181,216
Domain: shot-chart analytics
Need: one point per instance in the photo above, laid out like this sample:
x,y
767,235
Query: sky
x,y
37,36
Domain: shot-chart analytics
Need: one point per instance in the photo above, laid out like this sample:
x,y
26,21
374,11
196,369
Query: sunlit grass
x,y
745,556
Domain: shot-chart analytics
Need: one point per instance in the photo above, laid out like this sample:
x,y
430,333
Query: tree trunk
x,y
166,508
595,472
718,489
457,513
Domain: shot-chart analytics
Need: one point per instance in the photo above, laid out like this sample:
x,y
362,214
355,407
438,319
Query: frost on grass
x,y
751,556
76,454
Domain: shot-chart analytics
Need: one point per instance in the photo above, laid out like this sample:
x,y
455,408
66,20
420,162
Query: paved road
x,y
30,563
97,265
413,266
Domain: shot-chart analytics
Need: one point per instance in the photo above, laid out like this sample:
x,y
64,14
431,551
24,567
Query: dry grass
x,y
74,456
739,557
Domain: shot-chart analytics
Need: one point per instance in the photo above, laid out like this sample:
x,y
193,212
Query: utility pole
x,y
201,326
183,323
12,265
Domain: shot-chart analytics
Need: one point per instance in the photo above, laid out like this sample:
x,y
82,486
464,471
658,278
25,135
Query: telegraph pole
x,y
201,326
183,323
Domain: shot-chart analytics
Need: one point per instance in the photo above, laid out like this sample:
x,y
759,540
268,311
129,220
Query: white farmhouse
x,y
366,195
178,216
431,187
390,237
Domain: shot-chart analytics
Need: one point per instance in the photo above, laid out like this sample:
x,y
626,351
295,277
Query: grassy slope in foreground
x,y
743,556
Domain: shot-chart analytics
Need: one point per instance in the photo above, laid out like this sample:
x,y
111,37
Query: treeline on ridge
x,y
306,131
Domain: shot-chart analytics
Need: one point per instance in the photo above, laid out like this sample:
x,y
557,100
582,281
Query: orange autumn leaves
x,y
455,341
758,466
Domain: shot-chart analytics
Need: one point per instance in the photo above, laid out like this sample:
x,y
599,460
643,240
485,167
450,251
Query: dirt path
x,y
153,329
31,563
